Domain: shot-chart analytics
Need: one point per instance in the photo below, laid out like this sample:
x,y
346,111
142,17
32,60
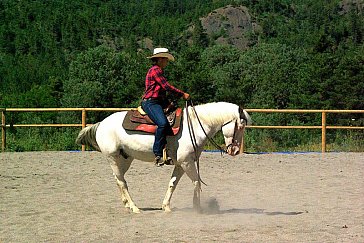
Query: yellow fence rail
x,y
84,111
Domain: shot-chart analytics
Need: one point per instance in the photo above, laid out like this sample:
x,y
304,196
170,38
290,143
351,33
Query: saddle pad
x,y
149,128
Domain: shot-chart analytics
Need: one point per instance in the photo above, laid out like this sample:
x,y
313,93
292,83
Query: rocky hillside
x,y
227,25
230,25
347,5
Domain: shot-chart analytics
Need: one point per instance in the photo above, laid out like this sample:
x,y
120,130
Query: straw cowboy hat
x,y
162,52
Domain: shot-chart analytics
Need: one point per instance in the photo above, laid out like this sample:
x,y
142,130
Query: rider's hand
x,y
186,96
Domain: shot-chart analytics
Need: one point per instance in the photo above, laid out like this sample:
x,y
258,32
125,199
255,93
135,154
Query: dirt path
x,y
72,197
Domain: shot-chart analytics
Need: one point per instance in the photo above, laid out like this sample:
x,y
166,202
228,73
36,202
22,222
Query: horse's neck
x,y
215,115
212,117
201,132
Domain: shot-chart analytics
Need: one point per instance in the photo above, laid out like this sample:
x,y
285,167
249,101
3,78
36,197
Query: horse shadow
x,y
151,209
257,211
211,211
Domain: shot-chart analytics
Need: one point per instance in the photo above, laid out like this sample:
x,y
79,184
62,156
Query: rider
x,y
154,99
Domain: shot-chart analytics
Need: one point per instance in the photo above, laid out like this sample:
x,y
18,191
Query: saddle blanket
x,y
134,121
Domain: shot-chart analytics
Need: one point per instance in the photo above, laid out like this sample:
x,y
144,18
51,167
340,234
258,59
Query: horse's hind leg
x,y
176,176
120,166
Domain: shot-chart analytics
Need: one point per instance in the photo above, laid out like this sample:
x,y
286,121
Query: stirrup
x,y
166,159
169,161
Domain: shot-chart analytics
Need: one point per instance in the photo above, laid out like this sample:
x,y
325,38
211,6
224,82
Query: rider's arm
x,y
159,78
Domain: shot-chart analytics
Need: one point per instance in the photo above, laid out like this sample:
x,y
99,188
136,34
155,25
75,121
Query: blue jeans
x,y
154,109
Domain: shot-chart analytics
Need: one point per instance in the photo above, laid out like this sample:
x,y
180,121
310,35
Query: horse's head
x,y
233,132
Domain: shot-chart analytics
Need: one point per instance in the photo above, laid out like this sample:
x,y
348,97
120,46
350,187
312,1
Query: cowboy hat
x,y
162,52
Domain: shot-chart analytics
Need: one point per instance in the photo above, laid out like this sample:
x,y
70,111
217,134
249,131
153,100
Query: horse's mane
x,y
217,112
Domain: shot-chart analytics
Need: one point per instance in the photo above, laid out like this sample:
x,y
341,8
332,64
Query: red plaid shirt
x,y
156,84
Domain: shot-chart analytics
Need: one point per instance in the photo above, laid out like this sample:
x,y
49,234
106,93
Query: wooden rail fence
x,y
84,111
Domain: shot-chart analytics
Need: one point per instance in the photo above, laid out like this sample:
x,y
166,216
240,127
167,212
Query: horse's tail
x,y
87,136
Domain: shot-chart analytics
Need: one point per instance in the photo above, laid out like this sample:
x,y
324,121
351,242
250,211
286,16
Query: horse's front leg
x,y
191,171
176,176
120,166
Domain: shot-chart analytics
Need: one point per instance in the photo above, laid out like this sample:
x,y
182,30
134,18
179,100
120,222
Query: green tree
x,y
102,77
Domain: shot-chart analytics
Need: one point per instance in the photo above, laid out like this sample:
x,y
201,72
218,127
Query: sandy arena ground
x,y
73,197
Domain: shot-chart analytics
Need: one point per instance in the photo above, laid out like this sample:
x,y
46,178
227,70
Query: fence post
x,y
3,131
323,133
242,143
83,125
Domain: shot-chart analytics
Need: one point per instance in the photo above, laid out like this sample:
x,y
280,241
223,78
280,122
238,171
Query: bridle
x,y
192,133
238,126
193,137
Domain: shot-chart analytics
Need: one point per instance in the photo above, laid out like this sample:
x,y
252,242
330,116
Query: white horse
x,y
122,147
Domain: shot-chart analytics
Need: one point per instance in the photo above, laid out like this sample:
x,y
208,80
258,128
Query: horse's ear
x,y
241,112
240,109
242,115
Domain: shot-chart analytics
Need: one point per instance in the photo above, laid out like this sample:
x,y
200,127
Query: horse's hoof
x,y
198,210
135,210
166,209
